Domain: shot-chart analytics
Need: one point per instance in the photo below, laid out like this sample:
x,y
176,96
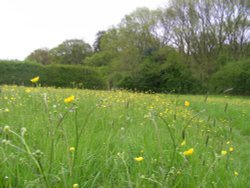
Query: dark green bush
x,y
167,78
163,71
233,77
66,75
177,78
20,73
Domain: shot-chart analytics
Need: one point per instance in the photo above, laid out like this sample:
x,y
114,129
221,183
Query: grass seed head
x,y
223,152
72,149
6,129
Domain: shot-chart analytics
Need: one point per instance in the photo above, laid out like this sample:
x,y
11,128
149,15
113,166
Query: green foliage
x,y
177,78
170,78
42,56
173,49
97,42
235,76
71,52
163,71
66,75
98,59
20,73
139,30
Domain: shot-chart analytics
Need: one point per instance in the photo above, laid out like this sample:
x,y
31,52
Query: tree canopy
x,y
148,48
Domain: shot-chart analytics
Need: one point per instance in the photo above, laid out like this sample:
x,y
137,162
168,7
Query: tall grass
x,y
122,139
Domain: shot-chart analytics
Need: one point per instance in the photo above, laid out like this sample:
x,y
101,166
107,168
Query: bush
x,y
177,78
66,75
163,71
235,76
167,78
20,73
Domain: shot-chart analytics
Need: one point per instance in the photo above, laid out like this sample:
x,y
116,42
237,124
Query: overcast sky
x,y
26,25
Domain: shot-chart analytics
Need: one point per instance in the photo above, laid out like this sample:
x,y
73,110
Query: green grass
x,y
109,129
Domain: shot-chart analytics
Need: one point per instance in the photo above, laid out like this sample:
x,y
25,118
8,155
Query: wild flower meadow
x,y
82,138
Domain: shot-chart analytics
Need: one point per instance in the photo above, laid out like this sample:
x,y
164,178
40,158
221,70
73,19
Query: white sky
x,y
26,25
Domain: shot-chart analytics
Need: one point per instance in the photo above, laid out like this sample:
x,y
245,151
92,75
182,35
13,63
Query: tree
x,y
98,59
139,30
41,55
71,52
206,30
132,40
97,43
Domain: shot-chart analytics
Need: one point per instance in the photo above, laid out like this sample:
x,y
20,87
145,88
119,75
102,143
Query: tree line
x,y
182,47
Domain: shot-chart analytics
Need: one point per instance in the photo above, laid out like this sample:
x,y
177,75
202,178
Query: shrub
x,y
235,76
66,75
177,78
167,77
20,73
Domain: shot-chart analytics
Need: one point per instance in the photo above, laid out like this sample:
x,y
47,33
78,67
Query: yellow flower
x,y
231,149
223,152
72,149
75,185
69,99
187,103
183,143
236,173
27,90
138,159
7,110
35,80
189,152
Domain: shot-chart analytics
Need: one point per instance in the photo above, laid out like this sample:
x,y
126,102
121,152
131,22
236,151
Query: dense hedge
x,y
166,78
233,77
20,73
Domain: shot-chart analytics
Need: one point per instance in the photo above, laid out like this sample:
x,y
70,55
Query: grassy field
x,y
122,139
